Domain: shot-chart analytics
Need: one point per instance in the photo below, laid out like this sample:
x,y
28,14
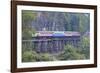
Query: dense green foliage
x,y
27,18
32,56
71,53
28,56
85,48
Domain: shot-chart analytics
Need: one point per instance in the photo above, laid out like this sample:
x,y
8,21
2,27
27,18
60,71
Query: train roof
x,y
57,33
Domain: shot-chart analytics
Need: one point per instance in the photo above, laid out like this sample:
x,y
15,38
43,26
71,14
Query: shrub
x,y
45,57
85,46
70,53
32,56
29,56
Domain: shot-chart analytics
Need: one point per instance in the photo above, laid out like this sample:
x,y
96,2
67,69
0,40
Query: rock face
x,y
52,21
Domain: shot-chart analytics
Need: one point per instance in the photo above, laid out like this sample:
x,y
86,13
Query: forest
x,y
33,21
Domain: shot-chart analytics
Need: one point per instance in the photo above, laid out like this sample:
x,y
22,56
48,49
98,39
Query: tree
x,y
85,46
27,17
84,22
29,56
71,53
